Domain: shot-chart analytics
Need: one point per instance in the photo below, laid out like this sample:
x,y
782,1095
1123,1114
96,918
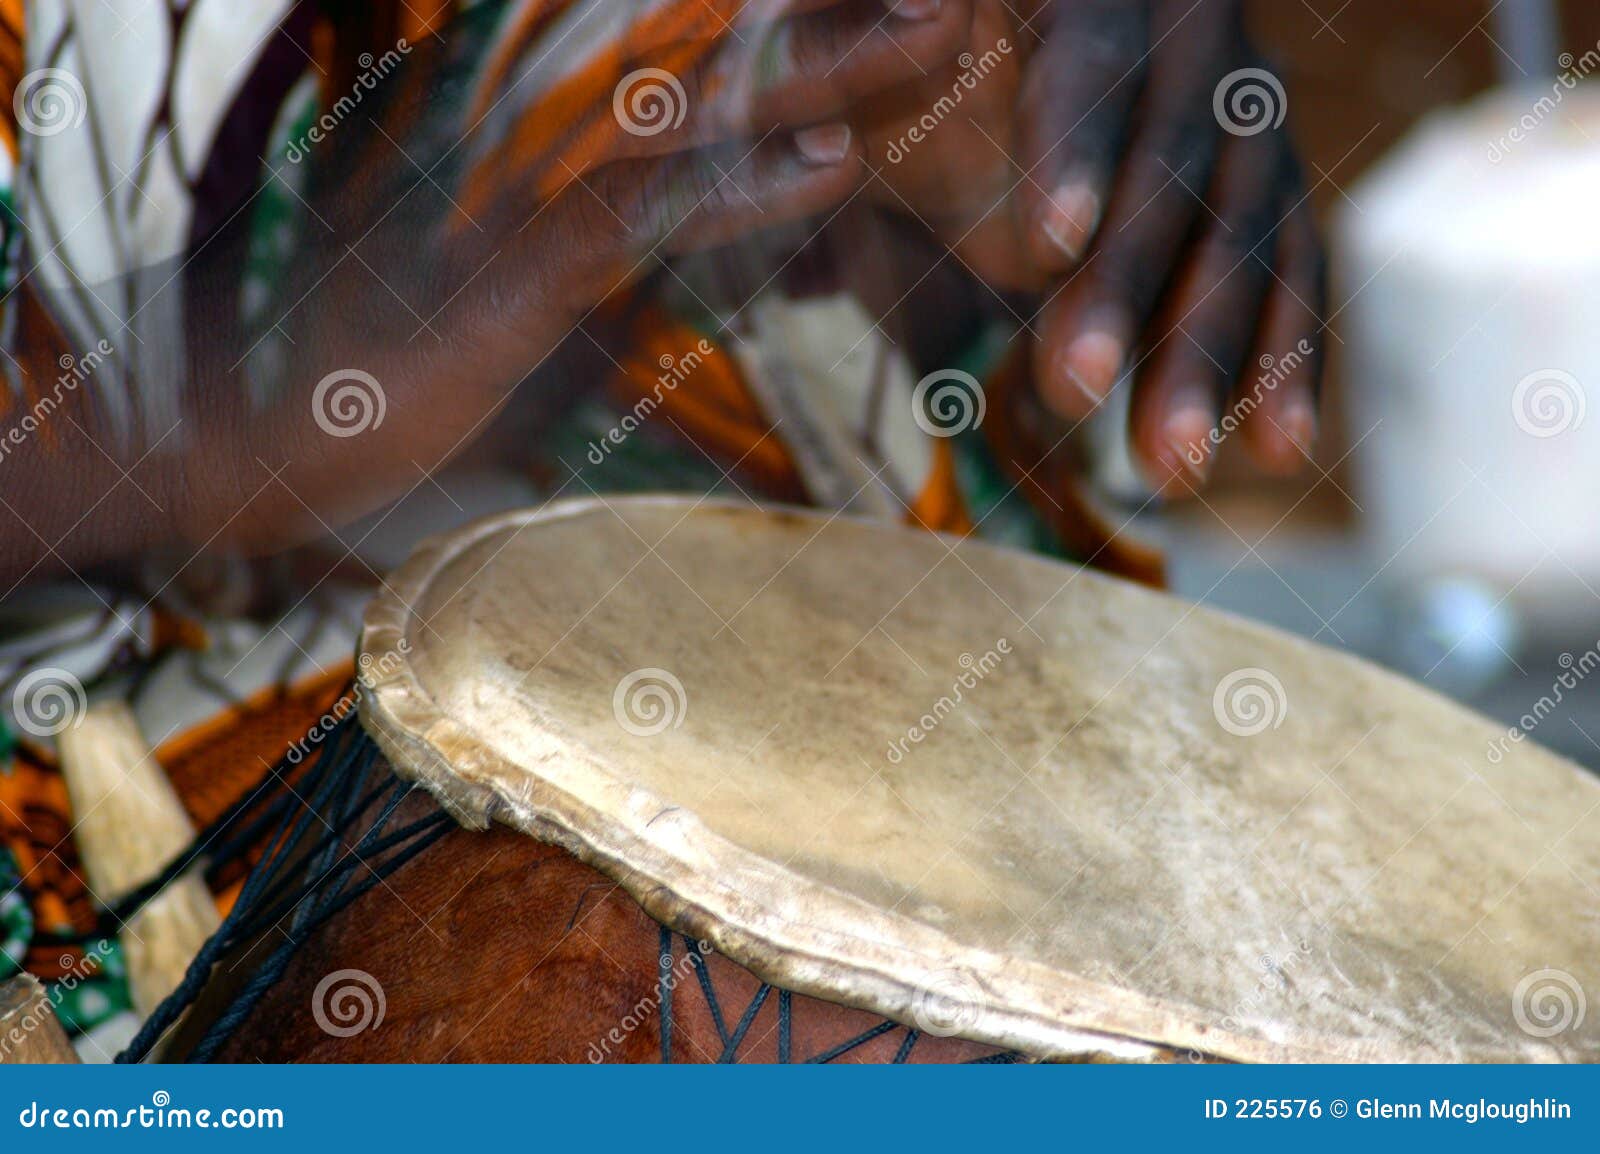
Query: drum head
x,y
984,793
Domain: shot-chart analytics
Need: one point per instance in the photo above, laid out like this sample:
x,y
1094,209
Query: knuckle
x,y
1126,276
1225,344
1186,143
816,47
1111,41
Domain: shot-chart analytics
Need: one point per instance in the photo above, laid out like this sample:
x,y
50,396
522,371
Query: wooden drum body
x,y
1015,805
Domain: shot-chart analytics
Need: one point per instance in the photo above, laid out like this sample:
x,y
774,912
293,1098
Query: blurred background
x,y
1449,527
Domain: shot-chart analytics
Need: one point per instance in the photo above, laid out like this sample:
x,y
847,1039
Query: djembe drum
x,y
720,782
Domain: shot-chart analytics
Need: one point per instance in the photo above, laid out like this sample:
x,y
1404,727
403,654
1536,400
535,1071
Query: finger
x,y
1209,317
605,231
803,70
1279,433
1091,326
1074,110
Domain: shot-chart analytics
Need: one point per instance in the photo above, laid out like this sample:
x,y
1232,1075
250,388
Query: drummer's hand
x,y
1168,236
450,300
410,313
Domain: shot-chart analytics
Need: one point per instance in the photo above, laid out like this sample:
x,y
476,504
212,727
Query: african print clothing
x,y
137,129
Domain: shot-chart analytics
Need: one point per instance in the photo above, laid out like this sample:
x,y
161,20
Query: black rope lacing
x,y
732,1039
303,882
308,884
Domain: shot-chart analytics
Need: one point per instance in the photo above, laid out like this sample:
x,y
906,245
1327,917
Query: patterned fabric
x,y
184,98
16,916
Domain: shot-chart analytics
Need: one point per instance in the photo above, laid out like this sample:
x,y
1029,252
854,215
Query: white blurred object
x,y
1470,260
1454,633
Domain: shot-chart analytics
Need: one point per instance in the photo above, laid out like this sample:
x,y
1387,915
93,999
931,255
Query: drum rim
x,y
1028,1006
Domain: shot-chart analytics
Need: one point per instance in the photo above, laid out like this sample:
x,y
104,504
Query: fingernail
x,y
1070,218
824,143
1092,363
1299,424
913,9
1187,433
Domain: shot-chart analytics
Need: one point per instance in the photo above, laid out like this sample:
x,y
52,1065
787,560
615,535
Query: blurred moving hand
x,y
1124,161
